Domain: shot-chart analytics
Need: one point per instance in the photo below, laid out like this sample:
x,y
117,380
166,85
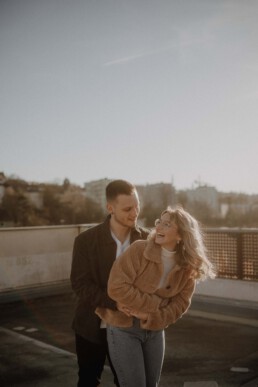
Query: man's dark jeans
x,y
91,359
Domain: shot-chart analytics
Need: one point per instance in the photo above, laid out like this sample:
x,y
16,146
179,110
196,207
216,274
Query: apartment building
x,y
96,190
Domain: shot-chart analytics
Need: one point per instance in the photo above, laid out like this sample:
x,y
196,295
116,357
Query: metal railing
x,y
234,252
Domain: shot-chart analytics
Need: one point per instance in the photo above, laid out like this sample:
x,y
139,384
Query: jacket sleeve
x,y
174,310
82,280
121,287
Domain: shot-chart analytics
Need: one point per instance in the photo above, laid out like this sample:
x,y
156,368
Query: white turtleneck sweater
x,y
168,260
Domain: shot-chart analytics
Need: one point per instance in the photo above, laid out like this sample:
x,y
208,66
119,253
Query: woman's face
x,y
167,234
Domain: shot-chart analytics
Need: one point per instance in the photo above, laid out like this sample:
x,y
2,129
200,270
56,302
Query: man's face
x,y
125,209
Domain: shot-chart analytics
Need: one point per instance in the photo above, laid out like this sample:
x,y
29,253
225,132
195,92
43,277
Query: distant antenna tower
x,y
197,183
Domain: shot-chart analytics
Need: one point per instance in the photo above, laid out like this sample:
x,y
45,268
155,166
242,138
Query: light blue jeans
x,y
137,355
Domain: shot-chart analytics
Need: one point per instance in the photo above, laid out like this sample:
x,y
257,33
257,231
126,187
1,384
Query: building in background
x,y
34,195
96,190
159,195
155,196
205,194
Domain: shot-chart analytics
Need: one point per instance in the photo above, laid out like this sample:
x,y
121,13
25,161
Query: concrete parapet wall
x,y
35,256
229,289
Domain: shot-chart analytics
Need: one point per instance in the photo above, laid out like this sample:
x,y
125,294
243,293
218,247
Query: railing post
x,y
239,256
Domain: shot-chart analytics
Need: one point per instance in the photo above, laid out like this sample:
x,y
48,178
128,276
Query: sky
x,y
148,91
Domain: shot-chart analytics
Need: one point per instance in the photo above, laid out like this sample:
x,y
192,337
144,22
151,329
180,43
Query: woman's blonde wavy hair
x,y
191,249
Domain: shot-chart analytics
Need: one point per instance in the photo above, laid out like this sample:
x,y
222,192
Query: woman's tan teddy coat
x,y
134,280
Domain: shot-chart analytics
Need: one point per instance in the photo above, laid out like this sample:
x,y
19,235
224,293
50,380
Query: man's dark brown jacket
x,y
94,252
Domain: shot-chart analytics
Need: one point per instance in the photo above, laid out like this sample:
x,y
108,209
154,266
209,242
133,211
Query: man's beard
x,y
121,223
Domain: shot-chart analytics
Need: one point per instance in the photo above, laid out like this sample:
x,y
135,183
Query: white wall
x,y
229,289
35,256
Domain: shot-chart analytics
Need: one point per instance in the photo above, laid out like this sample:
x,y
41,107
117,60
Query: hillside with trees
x,y
56,204
24,204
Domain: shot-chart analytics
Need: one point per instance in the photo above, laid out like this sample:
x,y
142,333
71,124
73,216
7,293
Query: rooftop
x,y
214,344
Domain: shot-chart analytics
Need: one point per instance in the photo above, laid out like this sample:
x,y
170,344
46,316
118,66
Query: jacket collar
x,y
106,230
134,234
152,252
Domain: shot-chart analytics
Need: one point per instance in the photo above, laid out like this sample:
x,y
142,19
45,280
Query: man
x,y
93,255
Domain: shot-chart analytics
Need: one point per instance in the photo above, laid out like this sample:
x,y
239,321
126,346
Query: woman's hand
x,y
124,309
139,315
164,302
131,312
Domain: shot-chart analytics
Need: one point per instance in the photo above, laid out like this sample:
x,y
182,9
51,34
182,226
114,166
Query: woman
x,y
152,282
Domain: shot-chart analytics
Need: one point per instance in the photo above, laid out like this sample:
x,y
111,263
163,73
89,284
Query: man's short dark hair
x,y
119,187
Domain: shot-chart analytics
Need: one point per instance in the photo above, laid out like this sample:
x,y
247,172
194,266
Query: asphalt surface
x,y
214,344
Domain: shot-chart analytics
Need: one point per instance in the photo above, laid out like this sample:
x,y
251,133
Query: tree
x,y
52,208
17,209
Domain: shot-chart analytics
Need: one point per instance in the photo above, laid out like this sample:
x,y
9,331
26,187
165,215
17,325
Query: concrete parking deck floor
x,y
215,344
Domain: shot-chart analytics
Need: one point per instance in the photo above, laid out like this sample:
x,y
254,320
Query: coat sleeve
x,y
82,279
121,287
174,310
